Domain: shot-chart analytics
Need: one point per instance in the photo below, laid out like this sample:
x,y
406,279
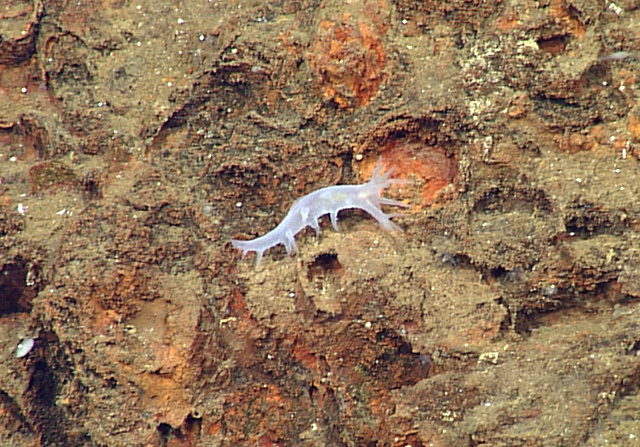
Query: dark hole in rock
x,y
324,264
164,429
15,295
554,44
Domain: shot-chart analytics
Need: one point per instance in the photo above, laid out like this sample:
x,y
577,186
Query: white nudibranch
x,y
307,210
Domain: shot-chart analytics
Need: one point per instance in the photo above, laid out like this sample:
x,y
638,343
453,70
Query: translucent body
x,y
307,211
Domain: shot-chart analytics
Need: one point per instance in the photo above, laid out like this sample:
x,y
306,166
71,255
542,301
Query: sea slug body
x,y
307,210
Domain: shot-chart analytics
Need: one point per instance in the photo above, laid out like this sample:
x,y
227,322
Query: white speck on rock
x,y
24,347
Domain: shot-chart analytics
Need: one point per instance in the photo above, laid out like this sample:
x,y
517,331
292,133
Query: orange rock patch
x,y
348,60
431,165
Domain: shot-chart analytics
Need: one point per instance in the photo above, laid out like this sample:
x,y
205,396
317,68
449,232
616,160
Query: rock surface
x,y
137,139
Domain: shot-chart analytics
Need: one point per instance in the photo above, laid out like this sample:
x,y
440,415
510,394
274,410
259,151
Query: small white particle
x,y
617,10
21,208
24,347
62,212
23,89
180,21
201,37
238,204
